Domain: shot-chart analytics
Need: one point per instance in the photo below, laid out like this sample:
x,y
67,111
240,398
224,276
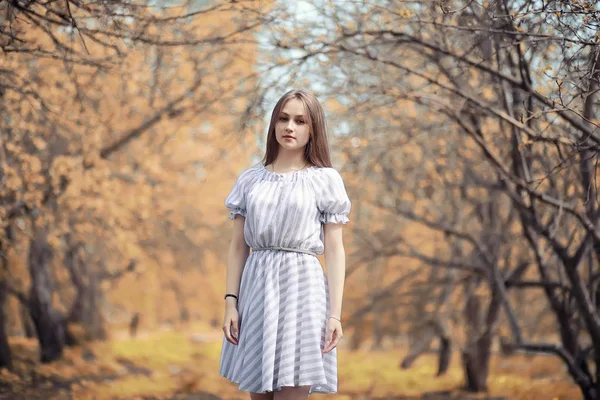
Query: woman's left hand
x,y
334,334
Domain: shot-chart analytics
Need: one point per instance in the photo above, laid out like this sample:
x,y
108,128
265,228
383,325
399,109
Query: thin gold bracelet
x,y
336,318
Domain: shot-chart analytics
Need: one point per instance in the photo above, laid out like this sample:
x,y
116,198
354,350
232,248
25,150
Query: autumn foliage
x,y
467,135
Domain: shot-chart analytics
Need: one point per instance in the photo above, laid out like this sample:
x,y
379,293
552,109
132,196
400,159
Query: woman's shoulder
x,y
327,178
328,173
247,176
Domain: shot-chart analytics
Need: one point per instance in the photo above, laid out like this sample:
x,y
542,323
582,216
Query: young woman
x,y
283,324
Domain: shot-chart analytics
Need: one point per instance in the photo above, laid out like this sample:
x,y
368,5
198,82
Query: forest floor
x,y
184,365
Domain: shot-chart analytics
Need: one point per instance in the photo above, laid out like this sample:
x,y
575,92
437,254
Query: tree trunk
x,y
477,351
86,308
184,314
5,354
93,319
474,370
422,343
588,180
475,376
48,324
28,328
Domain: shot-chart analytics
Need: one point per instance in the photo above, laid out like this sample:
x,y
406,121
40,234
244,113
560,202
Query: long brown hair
x,y
316,151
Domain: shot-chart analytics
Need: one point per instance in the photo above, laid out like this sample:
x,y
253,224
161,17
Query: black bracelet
x,y
231,295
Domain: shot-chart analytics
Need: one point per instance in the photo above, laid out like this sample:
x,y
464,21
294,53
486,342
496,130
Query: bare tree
x,y
501,84
60,60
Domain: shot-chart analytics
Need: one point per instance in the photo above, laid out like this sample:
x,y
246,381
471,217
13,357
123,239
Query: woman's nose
x,y
289,125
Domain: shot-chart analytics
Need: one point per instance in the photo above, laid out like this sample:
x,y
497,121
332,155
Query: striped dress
x,y
283,299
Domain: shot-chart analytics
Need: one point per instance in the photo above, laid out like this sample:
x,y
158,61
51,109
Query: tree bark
x,y
431,330
477,351
48,323
474,371
85,309
5,354
28,328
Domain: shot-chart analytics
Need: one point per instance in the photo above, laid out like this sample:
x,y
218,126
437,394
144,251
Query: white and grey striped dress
x,y
283,299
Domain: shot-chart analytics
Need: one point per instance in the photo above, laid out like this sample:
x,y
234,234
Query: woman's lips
x,y
289,137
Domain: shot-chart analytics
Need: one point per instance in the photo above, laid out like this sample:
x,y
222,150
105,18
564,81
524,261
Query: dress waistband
x,y
285,249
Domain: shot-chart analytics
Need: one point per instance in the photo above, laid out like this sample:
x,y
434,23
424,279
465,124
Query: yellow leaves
x,y
62,165
12,147
525,142
54,241
24,179
488,93
8,376
404,13
91,159
541,71
174,361
33,198
39,143
30,164
62,168
12,180
474,75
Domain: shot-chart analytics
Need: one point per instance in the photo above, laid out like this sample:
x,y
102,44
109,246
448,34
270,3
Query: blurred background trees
x,y
473,131
108,131
467,134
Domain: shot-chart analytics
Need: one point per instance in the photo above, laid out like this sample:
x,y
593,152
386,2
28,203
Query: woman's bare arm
x,y
236,259
335,263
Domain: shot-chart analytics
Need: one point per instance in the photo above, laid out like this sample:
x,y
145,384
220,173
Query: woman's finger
x,y
329,347
228,336
330,343
338,335
336,341
235,329
329,336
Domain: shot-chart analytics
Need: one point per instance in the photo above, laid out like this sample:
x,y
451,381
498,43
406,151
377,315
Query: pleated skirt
x,y
283,306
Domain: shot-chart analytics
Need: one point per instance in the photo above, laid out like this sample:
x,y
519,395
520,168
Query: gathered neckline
x,y
287,173
292,175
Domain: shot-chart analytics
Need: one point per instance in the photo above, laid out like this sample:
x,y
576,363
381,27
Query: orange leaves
x,y
488,93
60,171
526,141
147,200
23,176
8,376
404,13
31,167
39,143
91,159
12,181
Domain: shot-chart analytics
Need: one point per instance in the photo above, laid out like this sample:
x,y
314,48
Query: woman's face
x,y
292,130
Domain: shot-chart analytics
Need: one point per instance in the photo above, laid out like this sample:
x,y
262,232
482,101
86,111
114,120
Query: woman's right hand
x,y
230,324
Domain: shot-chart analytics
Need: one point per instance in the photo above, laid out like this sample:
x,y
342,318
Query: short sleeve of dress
x,y
236,200
332,200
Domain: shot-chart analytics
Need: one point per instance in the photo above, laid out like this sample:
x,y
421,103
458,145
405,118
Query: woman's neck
x,y
289,162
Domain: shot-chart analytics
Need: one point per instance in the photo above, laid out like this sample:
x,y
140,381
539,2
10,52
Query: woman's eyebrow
x,y
299,115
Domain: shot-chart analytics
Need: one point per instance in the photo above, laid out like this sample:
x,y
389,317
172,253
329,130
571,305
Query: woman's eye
x,y
300,122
